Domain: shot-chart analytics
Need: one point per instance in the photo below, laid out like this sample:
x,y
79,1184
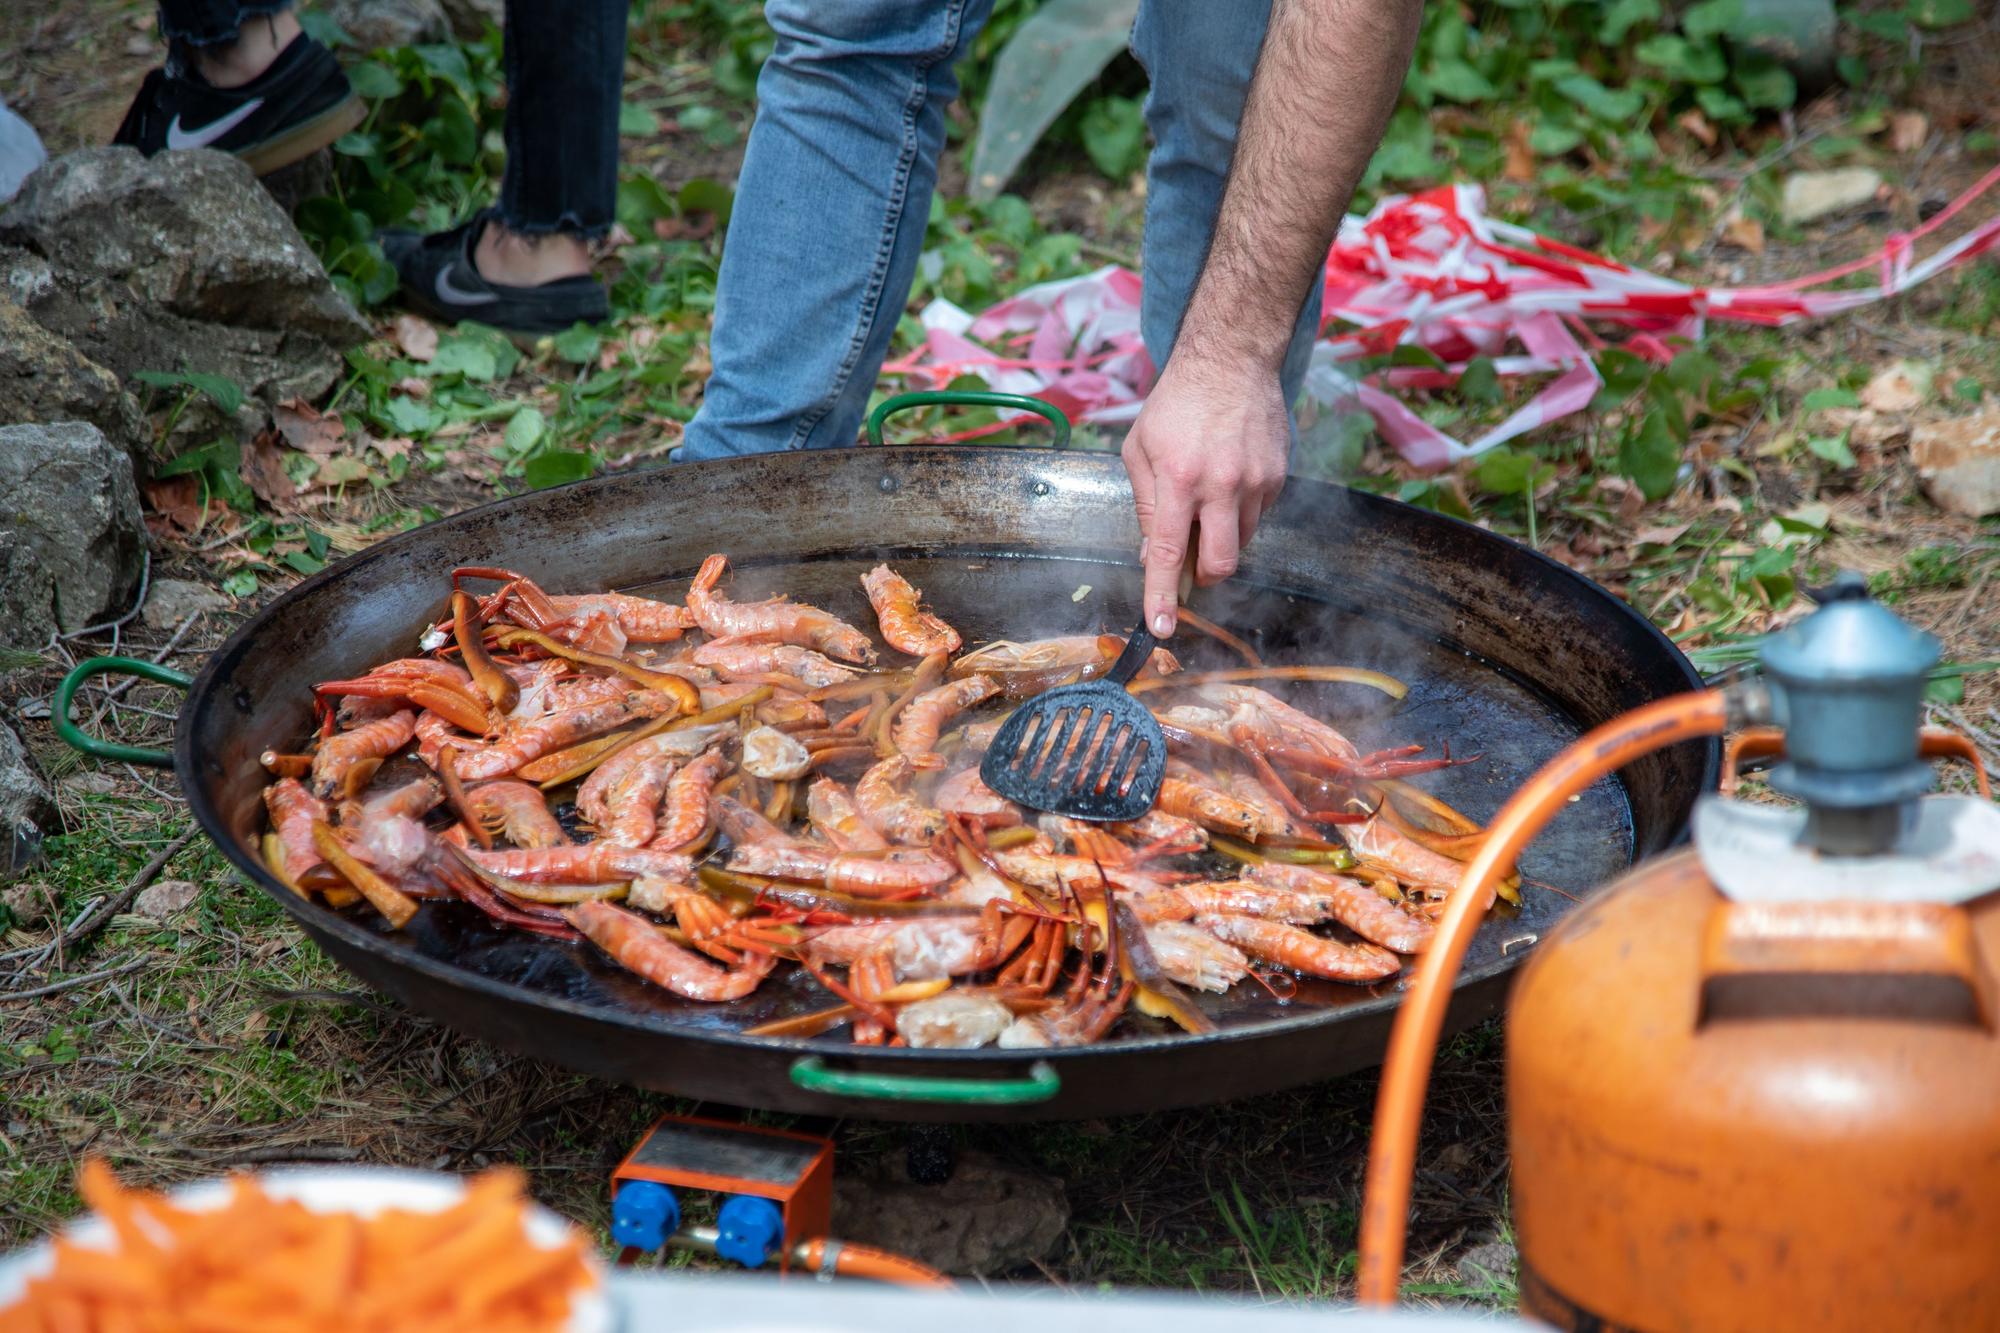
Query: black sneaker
x,y
298,106
440,280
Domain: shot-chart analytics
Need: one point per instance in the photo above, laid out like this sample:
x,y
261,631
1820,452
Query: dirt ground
x,y
220,1037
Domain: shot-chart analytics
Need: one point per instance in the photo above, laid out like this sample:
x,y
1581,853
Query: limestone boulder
x,y
72,541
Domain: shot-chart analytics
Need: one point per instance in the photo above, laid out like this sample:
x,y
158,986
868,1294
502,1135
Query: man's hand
x,y
1211,444
1212,441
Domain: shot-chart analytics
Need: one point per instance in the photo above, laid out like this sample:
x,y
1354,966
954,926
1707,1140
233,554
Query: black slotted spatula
x,y
1089,750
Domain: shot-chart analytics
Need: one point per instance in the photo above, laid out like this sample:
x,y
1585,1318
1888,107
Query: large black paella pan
x,y
1506,653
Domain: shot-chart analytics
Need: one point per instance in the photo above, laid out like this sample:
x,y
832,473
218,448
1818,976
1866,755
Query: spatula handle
x,y
1137,649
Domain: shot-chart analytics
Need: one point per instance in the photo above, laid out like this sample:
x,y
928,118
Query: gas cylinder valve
x,y
747,1230
1849,683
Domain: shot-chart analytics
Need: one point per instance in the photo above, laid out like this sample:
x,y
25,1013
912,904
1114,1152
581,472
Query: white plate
x,y
361,1190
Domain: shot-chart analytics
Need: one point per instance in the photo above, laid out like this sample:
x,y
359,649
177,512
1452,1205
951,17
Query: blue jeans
x,y
835,193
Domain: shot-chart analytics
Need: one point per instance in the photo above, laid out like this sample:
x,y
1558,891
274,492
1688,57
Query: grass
x,y
238,1042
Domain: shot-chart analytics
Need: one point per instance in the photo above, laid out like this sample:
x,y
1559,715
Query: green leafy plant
x,y
427,155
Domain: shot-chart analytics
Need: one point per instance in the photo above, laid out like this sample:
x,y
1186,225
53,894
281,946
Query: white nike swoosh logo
x,y
215,129
451,295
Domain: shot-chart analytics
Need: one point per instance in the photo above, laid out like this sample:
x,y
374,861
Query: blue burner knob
x,y
748,1229
644,1214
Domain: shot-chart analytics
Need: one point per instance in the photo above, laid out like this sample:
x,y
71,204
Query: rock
x,y
26,812
92,783
1900,387
170,601
1958,462
986,1218
175,263
1810,195
378,23
166,899
45,378
471,18
27,904
1493,1262
71,537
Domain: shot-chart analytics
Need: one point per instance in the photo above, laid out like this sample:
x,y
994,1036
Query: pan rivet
x,y
886,485
1518,942
243,701
1041,488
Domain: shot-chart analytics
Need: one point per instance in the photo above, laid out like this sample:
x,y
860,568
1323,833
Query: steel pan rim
x,y
318,919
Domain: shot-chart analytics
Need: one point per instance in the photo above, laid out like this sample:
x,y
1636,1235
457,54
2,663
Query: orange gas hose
x,y
1406,1070
850,1260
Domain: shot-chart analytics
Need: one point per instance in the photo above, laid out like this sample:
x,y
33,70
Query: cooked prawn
x,y
895,813
894,874
831,809
918,725
1301,950
734,658
339,753
545,735
906,626
1354,905
518,812
789,622
293,811
685,816
591,863
638,946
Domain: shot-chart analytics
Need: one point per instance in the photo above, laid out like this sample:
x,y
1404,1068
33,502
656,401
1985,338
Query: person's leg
x,y
229,42
565,66
1199,56
829,220
524,264
241,77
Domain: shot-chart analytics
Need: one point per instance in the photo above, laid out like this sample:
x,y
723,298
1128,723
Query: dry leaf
x,y
684,229
305,429
1899,388
338,471
417,337
1662,536
1744,233
1624,495
263,468
644,337
413,387
176,500
618,238
1908,130
1520,157
396,446
1697,125
609,352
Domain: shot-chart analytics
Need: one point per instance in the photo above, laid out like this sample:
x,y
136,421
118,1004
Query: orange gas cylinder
x,y
1726,1116
1756,1084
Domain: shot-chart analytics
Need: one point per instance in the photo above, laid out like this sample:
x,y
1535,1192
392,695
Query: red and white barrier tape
x,y
1429,270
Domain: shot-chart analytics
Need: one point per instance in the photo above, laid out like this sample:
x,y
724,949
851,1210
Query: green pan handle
x,y
112,666
902,402
810,1072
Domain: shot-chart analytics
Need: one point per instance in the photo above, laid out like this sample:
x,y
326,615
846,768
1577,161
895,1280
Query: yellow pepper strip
x,y
684,691
914,990
274,861
1331,675
588,758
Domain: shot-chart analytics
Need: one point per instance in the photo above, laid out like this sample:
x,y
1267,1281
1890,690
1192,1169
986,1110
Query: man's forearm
x,y
1325,84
